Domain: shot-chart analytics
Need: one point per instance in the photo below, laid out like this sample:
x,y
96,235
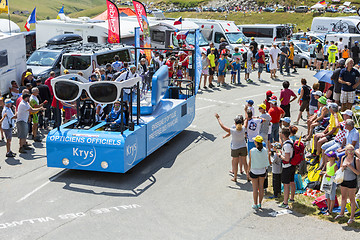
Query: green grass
x,y
302,20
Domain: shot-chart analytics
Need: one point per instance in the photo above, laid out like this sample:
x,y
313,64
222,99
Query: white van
x,y
348,38
91,56
214,30
12,59
335,24
266,33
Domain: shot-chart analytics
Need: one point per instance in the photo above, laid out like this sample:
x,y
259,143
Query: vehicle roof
x,y
91,49
344,34
6,35
261,25
186,25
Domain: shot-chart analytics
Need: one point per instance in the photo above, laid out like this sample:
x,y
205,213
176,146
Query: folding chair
x,y
356,116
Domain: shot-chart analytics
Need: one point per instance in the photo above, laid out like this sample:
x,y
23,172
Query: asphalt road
x,y
181,191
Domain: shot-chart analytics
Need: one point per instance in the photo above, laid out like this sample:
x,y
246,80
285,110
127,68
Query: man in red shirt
x,y
276,114
285,98
261,61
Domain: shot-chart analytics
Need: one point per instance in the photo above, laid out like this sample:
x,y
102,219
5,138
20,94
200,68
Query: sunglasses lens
x,y
103,92
66,91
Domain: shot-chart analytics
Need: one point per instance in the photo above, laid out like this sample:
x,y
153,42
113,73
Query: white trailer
x,y
12,59
90,30
335,25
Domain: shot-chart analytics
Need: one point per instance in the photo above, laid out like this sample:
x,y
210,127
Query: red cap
x,y
269,93
273,97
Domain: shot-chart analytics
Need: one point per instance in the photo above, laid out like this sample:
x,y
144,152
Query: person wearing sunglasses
x,y
350,165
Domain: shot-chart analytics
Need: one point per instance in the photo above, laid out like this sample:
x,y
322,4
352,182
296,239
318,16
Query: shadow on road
x,y
138,179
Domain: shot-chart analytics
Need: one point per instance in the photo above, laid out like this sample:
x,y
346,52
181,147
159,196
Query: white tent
x,y
318,6
4,26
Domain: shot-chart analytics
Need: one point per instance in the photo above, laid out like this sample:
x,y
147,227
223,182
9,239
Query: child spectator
x,y
331,168
276,171
285,98
293,131
268,97
315,95
235,70
249,105
205,68
221,68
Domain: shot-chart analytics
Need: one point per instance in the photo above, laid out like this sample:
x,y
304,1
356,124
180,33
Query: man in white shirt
x,y
125,76
23,112
117,65
7,124
274,59
252,126
340,47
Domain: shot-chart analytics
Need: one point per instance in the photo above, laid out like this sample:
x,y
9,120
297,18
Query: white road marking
x,y
256,95
216,101
205,107
40,187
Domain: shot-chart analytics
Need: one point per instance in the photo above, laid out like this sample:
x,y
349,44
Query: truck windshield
x,y
237,37
43,58
190,39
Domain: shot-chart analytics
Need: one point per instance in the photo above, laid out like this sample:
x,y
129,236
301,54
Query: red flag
x,y
144,26
113,22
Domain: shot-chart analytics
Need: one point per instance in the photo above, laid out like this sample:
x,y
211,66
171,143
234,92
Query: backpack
x,y
257,57
321,202
298,152
244,57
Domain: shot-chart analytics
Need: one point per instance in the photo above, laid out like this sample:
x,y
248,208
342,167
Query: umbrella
x,y
324,76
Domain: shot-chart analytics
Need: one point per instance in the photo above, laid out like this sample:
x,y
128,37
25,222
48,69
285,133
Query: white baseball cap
x,y
348,112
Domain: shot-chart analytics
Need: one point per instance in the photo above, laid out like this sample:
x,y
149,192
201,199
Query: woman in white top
x,y
238,144
259,161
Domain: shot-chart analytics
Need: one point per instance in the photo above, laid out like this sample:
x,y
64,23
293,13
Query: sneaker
x,y
37,139
223,85
259,206
255,207
218,84
296,123
26,147
288,74
291,200
205,87
10,154
22,150
272,197
294,71
283,205
211,86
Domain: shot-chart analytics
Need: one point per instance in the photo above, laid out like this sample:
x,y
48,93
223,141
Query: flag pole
x,y
9,17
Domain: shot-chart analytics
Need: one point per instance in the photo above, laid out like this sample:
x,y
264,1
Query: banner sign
x,y
113,22
198,64
140,11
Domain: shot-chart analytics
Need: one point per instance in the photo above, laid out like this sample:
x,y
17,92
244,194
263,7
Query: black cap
x,y
28,84
25,95
38,80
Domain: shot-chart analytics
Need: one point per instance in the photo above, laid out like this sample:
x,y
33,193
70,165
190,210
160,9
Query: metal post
x,y
122,111
9,17
138,103
130,104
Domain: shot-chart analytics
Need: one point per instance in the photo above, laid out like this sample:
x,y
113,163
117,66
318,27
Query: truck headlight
x,y
104,165
65,161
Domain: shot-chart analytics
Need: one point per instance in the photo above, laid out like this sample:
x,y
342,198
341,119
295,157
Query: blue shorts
x,y
221,72
261,67
233,72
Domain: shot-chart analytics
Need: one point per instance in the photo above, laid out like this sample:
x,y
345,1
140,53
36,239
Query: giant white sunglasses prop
x,y
69,87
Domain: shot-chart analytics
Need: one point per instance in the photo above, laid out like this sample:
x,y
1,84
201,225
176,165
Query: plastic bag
x,y
339,176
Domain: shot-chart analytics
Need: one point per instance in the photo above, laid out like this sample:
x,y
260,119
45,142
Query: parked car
x,y
349,10
281,9
302,9
301,53
269,9
332,10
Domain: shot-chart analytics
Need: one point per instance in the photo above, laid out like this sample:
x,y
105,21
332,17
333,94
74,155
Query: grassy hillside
x,y
302,20
46,9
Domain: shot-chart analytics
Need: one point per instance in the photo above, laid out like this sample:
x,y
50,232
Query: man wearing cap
x,y
7,124
266,101
266,118
330,131
255,45
351,137
336,143
23,112
335,79
29,78
117,64
355,50
109,72
252,126
286,122
276,114
347,79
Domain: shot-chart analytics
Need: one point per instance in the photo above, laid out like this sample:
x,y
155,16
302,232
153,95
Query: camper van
x,y
214,30
92,31
266,33
12,59
335,25
47,59
348,38
88,57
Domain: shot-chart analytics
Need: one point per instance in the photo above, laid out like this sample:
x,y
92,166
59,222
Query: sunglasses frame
x,y
84,84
